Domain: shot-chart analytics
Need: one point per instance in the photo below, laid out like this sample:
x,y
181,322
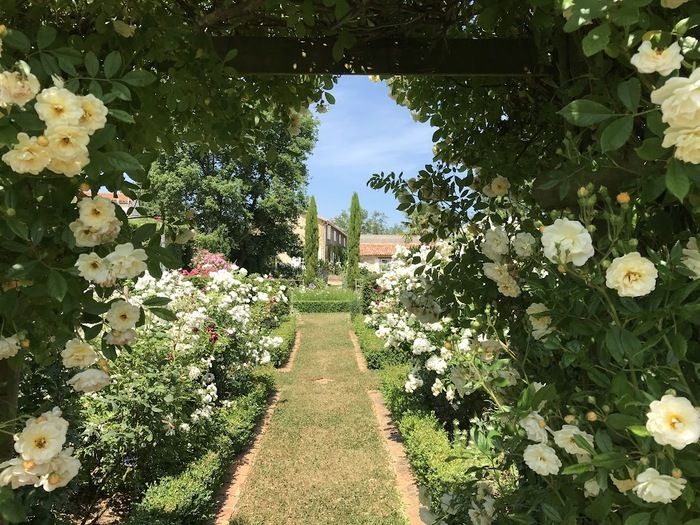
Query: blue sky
x,y
364,132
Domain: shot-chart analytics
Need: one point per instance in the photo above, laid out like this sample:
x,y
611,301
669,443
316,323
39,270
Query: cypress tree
x,y
311,243
352,269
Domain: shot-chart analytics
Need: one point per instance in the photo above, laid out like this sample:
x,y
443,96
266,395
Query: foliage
x,y
376,355
190,496
375,223
326,299
287,330
541,338
311,240
248,205
352,265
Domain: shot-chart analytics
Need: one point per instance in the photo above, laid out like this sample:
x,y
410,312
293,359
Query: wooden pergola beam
x,y
487,58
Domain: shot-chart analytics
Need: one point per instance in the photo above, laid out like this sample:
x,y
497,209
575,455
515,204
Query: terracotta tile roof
x,y
382,250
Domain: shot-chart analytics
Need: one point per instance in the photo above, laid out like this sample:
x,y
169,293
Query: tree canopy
x,y
246,208
375,222
352,264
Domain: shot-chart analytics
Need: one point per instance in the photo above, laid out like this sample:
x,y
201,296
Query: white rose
x,y
70,168
93,268
567,241
691,257
90,380
96,212
42,438
413,383
116,337
29,155
67,142
679,99
535,427
18,87
653,487
89,236
564,438
94,115
57,105
497,187
662,61
126,261
542,459
673,421
436,364
123,316
13,474
591,488
540,323
61,470
631,275
9,346
495,244
686,141
523,245
421,346
78,354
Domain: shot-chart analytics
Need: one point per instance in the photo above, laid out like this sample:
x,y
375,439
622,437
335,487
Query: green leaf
x,y
609,460
56,285
11,508
112,64
651,149
620,421
616,134
677,181
139,78
92,65
17,40
45,37
640,518
163,313
144,232
596,40
19,228
577,468
123,161
622,343
156,301
330,98
121,115
639,430
584,112
630,93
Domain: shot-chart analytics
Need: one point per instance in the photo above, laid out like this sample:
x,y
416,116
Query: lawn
x,y
322,460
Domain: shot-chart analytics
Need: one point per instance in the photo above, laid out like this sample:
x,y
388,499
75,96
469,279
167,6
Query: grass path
x,y
322,459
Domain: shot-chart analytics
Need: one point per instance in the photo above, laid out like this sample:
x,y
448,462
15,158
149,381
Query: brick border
x,y
241,468
405,480
359,356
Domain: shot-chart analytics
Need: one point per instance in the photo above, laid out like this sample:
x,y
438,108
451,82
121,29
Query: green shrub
x,y
376,355
287,330
439,464
324,300
189,498
324,306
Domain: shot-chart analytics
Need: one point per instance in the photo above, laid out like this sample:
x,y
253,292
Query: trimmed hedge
x,y
376,355
438,463
189,498
287,330
321,306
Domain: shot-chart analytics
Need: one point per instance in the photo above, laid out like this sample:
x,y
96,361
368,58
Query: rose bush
x,y
562,327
